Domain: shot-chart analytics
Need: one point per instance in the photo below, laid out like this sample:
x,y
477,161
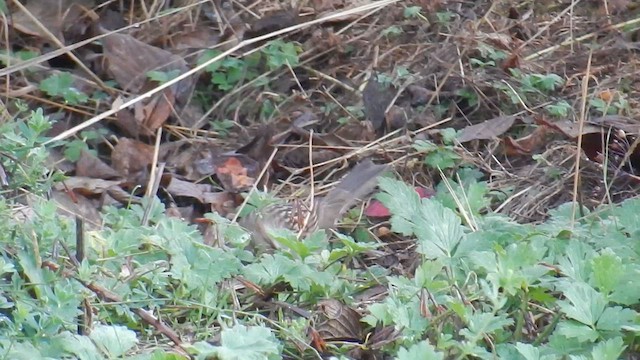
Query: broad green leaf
x,y
62,85
529,351
420,351
19,350
273,268
402,201
242,343
80,346
572,329
481,324
607,271
584,303
614,318
575,265
608,350
114,341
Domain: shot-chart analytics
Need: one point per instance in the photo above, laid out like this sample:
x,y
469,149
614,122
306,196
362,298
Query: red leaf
x,y
377,210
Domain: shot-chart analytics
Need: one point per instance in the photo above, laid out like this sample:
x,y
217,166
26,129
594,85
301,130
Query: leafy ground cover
x,y
132,134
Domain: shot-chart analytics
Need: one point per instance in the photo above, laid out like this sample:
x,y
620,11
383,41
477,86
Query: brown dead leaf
x,y
429,6
528,144
511,62
201,37
274,21
614,7
396,118
131,156
204,193
487,130
569,128
157,111
338,322
236,172
78,205
53,15
383,336
90,166
87,186
131,60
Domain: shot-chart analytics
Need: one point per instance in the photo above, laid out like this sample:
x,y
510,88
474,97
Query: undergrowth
x,y
484,287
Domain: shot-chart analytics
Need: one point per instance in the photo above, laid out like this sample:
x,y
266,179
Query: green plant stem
x,y
548,330
520,319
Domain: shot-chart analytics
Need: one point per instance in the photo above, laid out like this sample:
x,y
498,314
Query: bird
x,y
323,213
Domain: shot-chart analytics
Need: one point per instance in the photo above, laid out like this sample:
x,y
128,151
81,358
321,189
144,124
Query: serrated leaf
x,y
576,330
273,268
614,318
438,229
242,343
584,303
608,350
114,341
402,201
481,324
80,346
420,351
529,351
607,271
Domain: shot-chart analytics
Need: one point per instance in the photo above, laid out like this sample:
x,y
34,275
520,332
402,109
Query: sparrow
x,y
323,213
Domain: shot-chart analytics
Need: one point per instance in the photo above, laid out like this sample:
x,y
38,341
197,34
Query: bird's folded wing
x,y
356,185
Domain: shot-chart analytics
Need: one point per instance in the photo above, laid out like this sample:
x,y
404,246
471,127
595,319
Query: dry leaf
x,y
91,166
52,14
131,156
337,321
236,172
487,130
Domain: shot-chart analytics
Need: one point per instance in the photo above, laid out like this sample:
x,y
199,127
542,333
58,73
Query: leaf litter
x,y
278,116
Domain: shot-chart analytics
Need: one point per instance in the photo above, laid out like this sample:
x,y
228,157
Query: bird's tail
x,y
357,184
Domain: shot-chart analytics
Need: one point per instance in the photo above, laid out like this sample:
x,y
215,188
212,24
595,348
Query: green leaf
x,y
242,343
608,350
572,329
412,11
61,85
481,324
80,346
163,76
402,201
530,352
584,304
420,351
607,271
114,341
616,318
274,268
